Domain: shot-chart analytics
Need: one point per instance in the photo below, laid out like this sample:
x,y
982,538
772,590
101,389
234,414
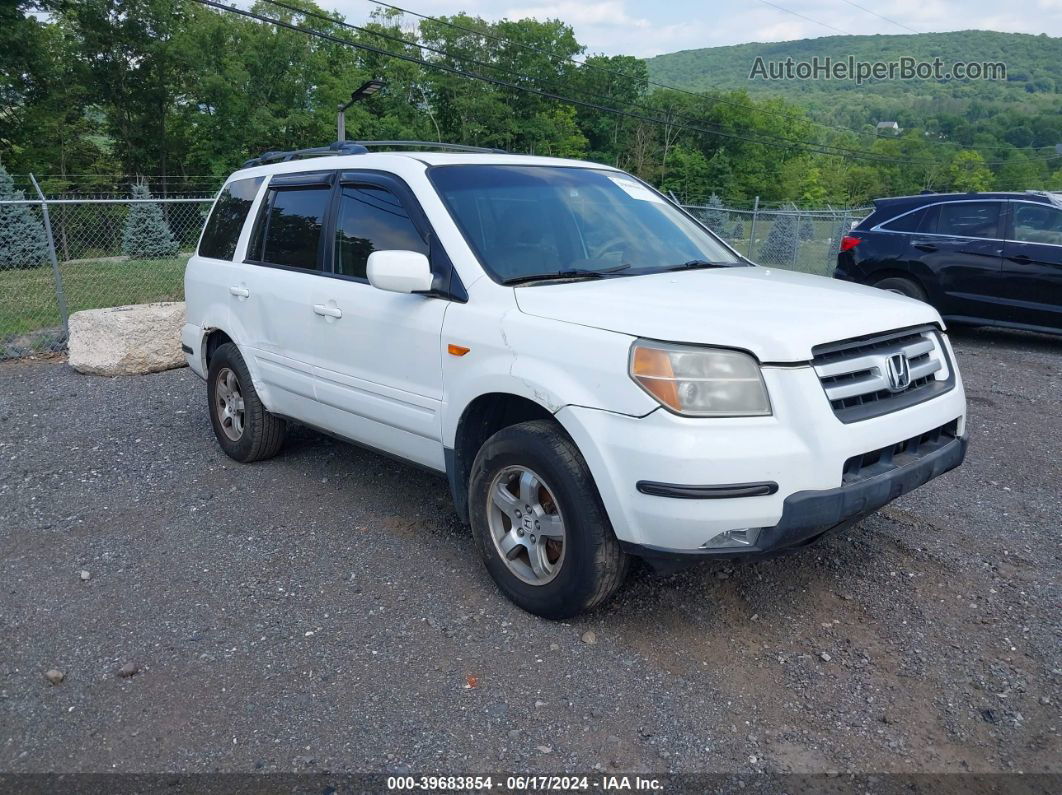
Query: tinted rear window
x,y
230,211
291,231
968,219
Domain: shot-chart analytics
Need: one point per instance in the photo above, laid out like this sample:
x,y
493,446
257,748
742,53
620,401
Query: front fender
x,y
549,362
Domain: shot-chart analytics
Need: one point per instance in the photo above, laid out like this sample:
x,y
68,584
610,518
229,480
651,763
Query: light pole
x,y
367,89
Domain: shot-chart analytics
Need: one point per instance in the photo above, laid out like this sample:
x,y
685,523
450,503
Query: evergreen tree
x,y
739,231
783,241
146,234
714,217
807,228
23,243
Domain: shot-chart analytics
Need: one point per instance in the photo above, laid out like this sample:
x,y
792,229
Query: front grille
x,y
855,373
867,465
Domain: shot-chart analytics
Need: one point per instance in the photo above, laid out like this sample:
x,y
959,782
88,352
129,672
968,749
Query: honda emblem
x,y
898,371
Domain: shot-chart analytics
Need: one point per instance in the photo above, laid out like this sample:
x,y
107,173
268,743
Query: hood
x,y
777,315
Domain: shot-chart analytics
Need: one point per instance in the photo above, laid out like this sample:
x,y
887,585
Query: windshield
x,y
527,221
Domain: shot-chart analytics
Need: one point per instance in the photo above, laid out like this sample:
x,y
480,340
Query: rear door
x,y
960,243
285,257
1032,264
377,355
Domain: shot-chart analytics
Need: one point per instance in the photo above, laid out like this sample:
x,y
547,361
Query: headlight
x,y
700,382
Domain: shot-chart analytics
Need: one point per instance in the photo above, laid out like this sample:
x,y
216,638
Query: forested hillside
x,y
172,87
1022,110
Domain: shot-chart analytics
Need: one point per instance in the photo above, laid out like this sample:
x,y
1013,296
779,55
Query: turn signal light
x,y
457,350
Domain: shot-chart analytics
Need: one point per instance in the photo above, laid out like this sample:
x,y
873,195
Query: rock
x,y
85,575
825,657
128,670
54,676
543,749
589,637
127,340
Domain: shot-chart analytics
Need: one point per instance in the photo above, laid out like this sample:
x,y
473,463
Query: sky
x,y
650,27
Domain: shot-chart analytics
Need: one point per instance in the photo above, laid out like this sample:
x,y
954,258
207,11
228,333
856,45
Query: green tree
x,y
714,216
23,242
968,172
783,241
146,235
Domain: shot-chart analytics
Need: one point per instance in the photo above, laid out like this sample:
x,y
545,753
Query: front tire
x,y
539,522
243,427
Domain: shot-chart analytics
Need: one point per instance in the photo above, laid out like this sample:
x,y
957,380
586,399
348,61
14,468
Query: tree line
x,y
174,88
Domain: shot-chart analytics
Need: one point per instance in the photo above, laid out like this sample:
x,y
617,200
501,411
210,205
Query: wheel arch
x,y
481,418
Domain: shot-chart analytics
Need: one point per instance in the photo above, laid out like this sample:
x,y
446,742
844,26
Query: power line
x,y
809,19
879,16
714,128
678,123
702,96
819,148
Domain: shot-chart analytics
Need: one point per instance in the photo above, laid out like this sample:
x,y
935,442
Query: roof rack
x,y
359,148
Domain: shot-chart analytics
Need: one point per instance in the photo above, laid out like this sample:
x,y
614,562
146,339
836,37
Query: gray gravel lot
x,y
325,610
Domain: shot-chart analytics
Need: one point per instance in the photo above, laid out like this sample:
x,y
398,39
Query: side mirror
x,y
399,271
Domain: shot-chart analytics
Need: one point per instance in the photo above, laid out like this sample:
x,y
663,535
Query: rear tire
x,y
903,286
243,427
535,465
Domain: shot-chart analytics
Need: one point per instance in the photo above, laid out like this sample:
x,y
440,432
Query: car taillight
x,y
850,242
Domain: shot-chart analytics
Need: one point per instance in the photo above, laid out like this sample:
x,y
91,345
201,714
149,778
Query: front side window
x,y
1037,223
371,219
527,220
226,220
290,229
969,219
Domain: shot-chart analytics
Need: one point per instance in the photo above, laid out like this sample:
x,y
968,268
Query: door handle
x,y
926,246
1021,258
239,292
328,311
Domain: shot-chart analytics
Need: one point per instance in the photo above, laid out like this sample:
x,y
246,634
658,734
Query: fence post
x,y
752,226
60,297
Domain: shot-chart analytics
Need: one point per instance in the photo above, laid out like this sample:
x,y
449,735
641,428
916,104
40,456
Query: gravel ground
x,y
326,611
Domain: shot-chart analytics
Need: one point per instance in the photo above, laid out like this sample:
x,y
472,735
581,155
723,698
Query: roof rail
x,y
435,145
338,148
359,148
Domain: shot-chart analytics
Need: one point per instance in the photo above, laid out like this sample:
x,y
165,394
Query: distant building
x,y
889,126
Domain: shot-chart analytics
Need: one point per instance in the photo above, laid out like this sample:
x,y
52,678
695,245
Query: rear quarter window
x,y
226,221
905,223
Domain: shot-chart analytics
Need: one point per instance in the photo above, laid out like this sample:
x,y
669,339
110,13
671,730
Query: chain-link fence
x,y
787,237
59,256
62,255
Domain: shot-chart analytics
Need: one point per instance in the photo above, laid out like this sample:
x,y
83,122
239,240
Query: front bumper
x,y
808,515
783,474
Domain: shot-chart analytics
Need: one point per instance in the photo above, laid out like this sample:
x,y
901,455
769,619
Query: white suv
x,y
596,373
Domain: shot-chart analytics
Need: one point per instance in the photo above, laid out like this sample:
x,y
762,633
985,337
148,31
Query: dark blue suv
x,y
978,258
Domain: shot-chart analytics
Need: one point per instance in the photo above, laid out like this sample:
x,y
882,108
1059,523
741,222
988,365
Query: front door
x,y
1032,265
377,355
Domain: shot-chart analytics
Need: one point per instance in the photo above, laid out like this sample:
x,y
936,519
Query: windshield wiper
x,y
694,264
568,274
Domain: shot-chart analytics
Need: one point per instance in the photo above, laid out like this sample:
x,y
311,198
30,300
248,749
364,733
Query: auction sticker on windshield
x,y
636,190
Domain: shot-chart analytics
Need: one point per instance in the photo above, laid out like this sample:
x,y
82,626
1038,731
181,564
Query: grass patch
x,y
27,297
